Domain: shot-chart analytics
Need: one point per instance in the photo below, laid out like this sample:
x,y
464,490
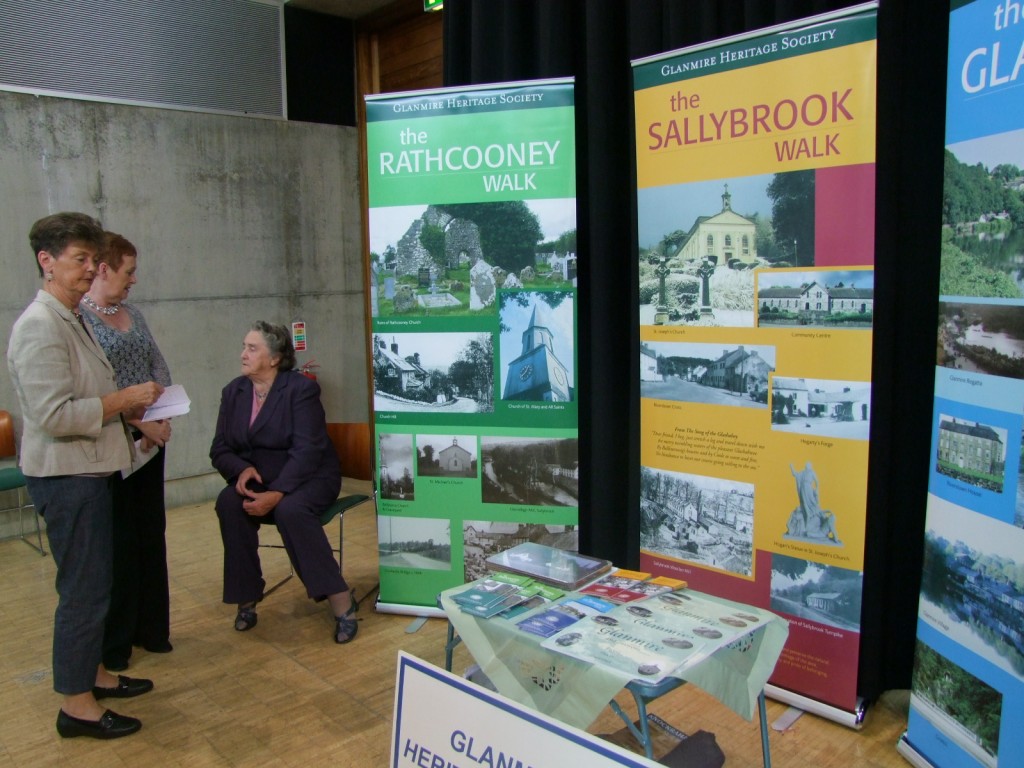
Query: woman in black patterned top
x,y
139,600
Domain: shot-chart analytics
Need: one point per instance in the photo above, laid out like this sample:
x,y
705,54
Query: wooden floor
x,y
284,694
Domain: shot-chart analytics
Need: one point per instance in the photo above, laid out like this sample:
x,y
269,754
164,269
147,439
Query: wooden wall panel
x,y
352,442
400,48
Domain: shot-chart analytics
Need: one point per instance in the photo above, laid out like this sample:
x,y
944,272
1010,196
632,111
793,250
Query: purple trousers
x,y
297,517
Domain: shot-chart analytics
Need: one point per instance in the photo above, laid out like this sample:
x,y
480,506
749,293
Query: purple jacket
x,y
288,442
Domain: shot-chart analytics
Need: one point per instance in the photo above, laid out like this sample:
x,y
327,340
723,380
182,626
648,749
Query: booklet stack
x,y
504,594
565,614
597,599
549,565
622,586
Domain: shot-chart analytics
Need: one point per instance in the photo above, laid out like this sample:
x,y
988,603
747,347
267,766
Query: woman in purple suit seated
x,y
272,447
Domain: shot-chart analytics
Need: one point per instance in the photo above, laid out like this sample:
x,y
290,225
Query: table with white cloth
x,y
576,691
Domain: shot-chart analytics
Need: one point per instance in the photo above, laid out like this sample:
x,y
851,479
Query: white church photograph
x,y
536,348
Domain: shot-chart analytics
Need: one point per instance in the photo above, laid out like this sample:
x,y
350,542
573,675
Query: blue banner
x,y
967,697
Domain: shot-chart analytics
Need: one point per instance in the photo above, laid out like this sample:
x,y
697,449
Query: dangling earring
x,y
49,276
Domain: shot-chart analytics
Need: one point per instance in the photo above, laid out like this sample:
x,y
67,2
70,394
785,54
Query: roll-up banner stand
x,y
755,206
967,690
472,230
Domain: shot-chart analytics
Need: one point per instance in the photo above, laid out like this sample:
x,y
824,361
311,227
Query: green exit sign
x,y
433,5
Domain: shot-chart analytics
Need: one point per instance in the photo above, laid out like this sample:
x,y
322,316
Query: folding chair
x,y
352,443
11,479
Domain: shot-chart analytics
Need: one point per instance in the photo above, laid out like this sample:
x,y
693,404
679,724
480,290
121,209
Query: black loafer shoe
x,y
164,646
110,726
126,688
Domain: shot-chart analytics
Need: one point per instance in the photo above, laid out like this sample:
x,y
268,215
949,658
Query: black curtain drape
x,y
488,41
320,62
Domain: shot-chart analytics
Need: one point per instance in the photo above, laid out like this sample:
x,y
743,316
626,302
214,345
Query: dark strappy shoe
x,y
246,617
345,628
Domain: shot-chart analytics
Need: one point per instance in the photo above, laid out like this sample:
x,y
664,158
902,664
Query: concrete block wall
x,y
236,219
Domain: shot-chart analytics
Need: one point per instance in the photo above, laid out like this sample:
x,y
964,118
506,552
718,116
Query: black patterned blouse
x,y
133,353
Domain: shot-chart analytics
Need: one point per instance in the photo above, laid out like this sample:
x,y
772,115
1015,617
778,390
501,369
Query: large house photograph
x,y
833,299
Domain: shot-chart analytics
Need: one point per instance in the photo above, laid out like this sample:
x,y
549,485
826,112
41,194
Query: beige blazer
x,y
60,373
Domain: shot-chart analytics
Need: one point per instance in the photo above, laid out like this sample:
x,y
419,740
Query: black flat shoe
x,y
126,688
110,726
246,618
164,646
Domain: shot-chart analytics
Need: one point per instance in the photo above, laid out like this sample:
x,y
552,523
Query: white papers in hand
x,y
173,402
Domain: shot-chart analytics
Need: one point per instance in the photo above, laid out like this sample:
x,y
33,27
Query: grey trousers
x,y
77,512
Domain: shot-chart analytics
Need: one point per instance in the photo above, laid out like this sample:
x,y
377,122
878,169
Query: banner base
x,y
409,610
853,719
911,755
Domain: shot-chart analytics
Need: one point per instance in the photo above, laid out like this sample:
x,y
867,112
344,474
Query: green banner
x,y
473,299
479,156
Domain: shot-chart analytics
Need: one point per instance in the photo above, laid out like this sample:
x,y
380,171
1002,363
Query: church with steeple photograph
x,y
726,238
537,342
702,243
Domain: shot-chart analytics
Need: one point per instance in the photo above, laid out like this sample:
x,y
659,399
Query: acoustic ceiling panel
x,y
209,55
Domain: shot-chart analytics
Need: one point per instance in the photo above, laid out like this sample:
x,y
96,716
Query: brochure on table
x,y
574,685
657,637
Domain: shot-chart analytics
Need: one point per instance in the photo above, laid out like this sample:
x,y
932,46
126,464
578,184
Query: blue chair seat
x,y
11,479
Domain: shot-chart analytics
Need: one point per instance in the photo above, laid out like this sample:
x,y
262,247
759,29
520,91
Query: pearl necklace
x,y
113,309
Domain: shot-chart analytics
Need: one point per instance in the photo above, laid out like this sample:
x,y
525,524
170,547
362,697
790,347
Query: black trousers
x,y
140,606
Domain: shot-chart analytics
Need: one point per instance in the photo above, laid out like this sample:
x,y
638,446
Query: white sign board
x,y
442,720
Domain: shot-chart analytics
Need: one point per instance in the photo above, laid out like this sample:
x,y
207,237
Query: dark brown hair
x,y
54,233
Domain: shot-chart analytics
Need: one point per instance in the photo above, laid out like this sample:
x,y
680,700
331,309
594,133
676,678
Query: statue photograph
x,y
809,521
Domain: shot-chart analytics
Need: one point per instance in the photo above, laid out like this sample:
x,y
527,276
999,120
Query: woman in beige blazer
x,y
74,439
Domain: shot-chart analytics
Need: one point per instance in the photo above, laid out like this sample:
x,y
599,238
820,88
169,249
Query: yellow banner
x,y
814,111
745,444
756,324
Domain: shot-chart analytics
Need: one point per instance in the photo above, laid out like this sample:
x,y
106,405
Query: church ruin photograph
x,y
451,260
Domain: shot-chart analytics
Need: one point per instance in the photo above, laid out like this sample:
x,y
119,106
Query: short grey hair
x,y
279,343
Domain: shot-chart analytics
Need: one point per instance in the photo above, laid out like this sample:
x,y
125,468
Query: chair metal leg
x,y
645,726
22,508
285,580
341,558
